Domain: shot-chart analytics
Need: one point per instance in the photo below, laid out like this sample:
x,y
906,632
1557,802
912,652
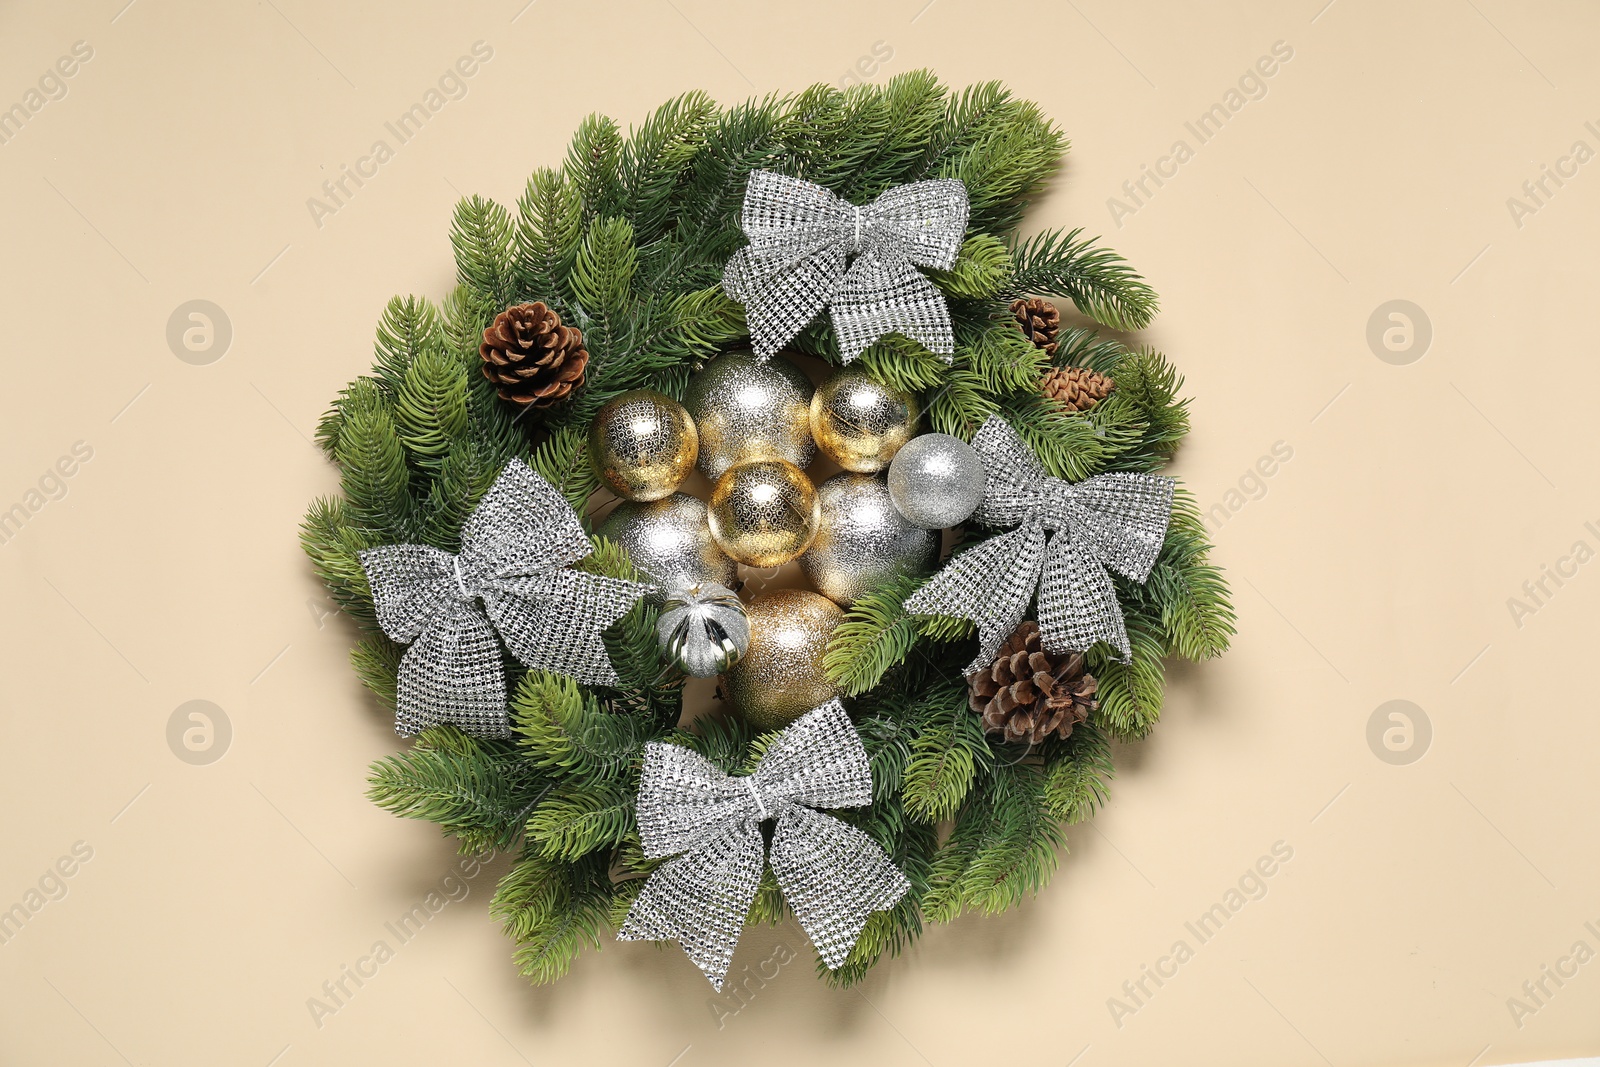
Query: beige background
x,y
1376,566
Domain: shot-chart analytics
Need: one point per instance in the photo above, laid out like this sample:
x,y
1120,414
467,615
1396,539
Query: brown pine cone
x,y
1076,388
1039,320
533,359
1029,694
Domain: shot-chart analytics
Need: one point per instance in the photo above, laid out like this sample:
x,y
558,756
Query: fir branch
x,y
657,157
1148,381
947,751
602,273
767,907
1000,356
892,125
965,118
482,236
430,406
1017,850
1187,591
552,910
478,791
981,270
1069,446
333,542
1097,280
1013,150
563,461
1130,693
577,819
961,404
1077,776
1081,346
372,462
549,225
376,661
565,731
876,635
592,160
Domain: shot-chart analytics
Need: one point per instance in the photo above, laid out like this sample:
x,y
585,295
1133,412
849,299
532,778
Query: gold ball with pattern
x,y
747,410
764,513
860,423
863,541
670,541
780,676
643,445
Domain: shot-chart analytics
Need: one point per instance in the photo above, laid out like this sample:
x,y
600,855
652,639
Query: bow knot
x,y
801,236
515,549
832,875
1067,540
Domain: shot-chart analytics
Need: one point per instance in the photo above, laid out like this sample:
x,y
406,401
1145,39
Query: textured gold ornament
x,y
643,444
764,513
670,540
747,410
860,423
863,541
780,676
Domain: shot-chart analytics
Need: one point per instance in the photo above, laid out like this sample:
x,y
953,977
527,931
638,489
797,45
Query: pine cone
x,y
1039,320
533,359
1076,388
1029,693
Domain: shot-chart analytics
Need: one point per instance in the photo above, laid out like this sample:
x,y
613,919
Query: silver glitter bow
x,y
800,236
1116,521
832,875
515,547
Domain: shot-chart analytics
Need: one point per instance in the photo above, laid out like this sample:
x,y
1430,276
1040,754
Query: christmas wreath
x,y
901,745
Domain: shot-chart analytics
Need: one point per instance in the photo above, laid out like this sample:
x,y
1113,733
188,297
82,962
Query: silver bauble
x,y
669,540
703,628
936,481
745,410
863,541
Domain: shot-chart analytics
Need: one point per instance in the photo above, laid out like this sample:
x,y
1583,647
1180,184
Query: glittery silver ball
x,y
670,540
745,411
936,481
863,541
703,628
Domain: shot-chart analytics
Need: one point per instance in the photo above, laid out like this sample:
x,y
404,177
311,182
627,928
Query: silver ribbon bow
x,y
1116,521
832,875
800,236
515,547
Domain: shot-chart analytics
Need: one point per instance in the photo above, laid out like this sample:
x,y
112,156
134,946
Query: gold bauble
x,y
780,676
764,513
643,444
860,423
863,541
747,410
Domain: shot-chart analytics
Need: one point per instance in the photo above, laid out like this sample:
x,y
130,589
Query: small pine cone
x,y
1029,694
533,359
1076,388
1039,321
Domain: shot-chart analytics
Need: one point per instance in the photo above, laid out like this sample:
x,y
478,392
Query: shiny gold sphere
x,y
764,513
780,676
860,423
747,410
643,444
